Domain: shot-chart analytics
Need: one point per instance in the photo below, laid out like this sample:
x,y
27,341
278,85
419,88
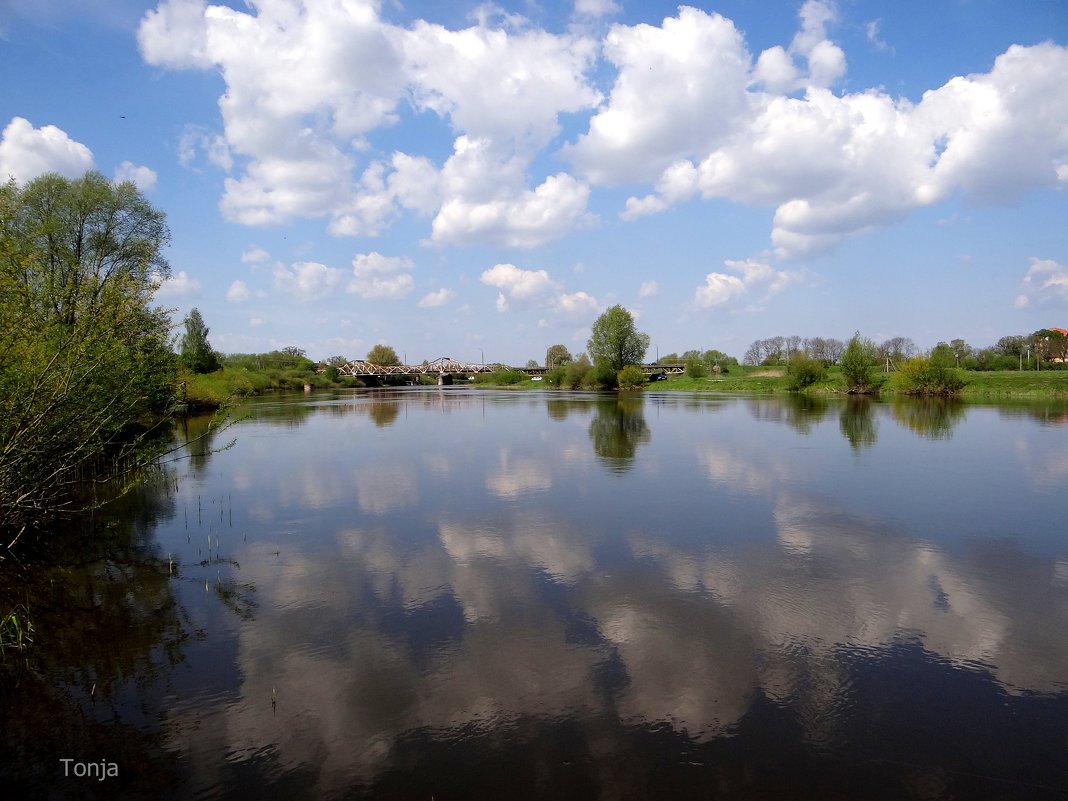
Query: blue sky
x,y
481,181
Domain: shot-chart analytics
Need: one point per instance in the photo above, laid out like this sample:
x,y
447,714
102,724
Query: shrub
x,y
920,376
602,376
695,368
857,365
630,377
803,373
575,374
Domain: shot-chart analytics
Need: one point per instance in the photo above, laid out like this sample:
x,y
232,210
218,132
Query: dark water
x,y
456,594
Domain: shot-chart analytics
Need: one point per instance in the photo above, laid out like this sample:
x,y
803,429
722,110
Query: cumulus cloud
x,y
377,276
255,255
749,279
838,165
27,152
670,79
306,82
434,299
690,112
308,281
1046,281
648,289
195,140
535,288
142,176
238,292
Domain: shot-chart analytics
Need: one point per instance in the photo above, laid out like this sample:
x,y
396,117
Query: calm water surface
x,y
459,594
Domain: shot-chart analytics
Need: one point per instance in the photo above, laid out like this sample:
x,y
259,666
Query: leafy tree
x,y
532,364
942,355
556,356
337,361
382,355
616,341
84,356
714,357
961,350
196,352
858,364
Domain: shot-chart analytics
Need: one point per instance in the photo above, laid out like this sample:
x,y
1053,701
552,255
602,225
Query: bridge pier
x,y
444,379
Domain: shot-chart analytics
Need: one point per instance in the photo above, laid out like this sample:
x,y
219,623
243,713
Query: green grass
x,y
978,385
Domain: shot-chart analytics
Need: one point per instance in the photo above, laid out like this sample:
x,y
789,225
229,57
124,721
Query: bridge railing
x,y
359,367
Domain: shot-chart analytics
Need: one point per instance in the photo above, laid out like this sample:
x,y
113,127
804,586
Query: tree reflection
x,y
933,418
857,423
107,625
383,413
617,429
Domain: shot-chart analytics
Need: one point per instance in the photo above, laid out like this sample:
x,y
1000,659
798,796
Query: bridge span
x,y
448,366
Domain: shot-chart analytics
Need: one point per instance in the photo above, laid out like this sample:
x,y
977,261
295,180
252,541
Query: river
x,y
453,593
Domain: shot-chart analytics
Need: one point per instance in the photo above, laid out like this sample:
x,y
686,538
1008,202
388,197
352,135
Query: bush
x,y
857,365
602,376
575,374
920,376
803,373
630,377
556,376
695,368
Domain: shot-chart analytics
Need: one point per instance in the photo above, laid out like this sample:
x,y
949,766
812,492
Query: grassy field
x,y
978,385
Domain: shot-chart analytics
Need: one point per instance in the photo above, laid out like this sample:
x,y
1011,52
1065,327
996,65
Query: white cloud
x,y
435,299
535,288
255,255
378,276
648,289
238,292
680,88
596,8
195,139
509,88
837,165
1046,281
178,287
27,152
750,278
142,177
308,281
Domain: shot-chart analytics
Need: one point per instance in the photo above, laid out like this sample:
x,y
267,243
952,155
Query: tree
x,y
615,340
382,355
857,363
532,364
85,358
961,350
196,352
556,356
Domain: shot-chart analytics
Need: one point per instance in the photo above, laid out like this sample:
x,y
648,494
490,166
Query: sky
x,y
481,181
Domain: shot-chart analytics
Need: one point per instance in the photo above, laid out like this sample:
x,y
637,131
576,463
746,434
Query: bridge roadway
x,y
447,366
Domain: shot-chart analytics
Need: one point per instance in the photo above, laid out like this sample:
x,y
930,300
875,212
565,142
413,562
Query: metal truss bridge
x,y
447,366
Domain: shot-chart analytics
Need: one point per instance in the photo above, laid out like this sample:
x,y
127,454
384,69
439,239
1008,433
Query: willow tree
x,y
85,362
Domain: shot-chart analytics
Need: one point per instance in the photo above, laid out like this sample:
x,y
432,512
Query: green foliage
x,y
555,377
85,361
942,355
630,377
603,375
920,376
696,368
382,355
616,341
803,372
557,356
502,376
576,373
195,350
858,365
